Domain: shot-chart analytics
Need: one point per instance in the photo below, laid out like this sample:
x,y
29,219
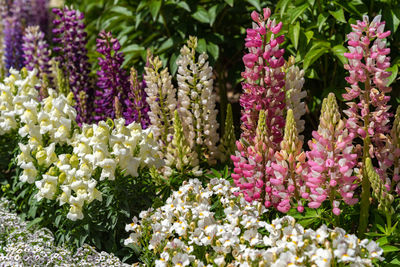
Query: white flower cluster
x,y
17,93
294,94
213,227
23,246
196,101
50,124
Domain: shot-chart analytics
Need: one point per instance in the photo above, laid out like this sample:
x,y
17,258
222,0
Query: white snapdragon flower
x,y
47,187
29,174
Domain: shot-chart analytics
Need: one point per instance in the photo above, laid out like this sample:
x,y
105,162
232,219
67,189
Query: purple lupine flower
x,y
39,13
112,79
36,51
71,39
13,43
137,107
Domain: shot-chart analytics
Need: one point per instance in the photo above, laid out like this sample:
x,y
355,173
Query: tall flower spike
x,y
379,189
137,107
112,78
331,160
196,101
179,154
395,152
36,51
252,166
13,43
288,170
161,97
72,54
227,146
264,78
294,94
368,114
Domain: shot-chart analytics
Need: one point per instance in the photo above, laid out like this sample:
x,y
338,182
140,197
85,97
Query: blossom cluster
x,y
195,104
72,54
212,226
50,124
24,246
264,78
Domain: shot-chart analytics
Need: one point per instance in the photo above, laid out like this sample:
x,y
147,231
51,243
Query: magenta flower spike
x,y
264,78
252,172
331,160
368,113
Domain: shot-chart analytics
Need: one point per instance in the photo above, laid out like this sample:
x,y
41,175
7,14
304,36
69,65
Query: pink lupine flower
x,y
368,107
331,160
252,166
264,78
368,110
288,170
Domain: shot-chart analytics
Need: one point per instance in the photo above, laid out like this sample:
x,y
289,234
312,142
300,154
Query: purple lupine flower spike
x,y
137,107
112,79
36,51
71,39
13,43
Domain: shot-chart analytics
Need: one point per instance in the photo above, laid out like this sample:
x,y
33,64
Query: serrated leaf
x,y
154,7
338,15
294,34
184,5
122,10
338,51
389,248
255,3
213,49
313,55
201,15
297,12
229,2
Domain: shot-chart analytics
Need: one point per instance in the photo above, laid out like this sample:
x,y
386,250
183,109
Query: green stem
x,y
389,220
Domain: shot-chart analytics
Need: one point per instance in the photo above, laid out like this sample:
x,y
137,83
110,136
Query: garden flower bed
x,y
103,164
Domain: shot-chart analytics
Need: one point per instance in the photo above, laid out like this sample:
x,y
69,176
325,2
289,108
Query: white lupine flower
x,y
294,94
197,101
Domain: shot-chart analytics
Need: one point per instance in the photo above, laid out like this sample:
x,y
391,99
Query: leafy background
x,y
315,33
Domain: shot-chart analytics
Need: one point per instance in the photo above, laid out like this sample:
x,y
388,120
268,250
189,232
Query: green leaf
x,y
229,2
322,17
294,34
154,7
122,10
338,15
34,222
309,35
314,53
201,15
389,248
184,5
212,14
338,51
382,241
395,70
282,4
213,49
201,45
255,3
297,12
166,45
132,48
172,63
